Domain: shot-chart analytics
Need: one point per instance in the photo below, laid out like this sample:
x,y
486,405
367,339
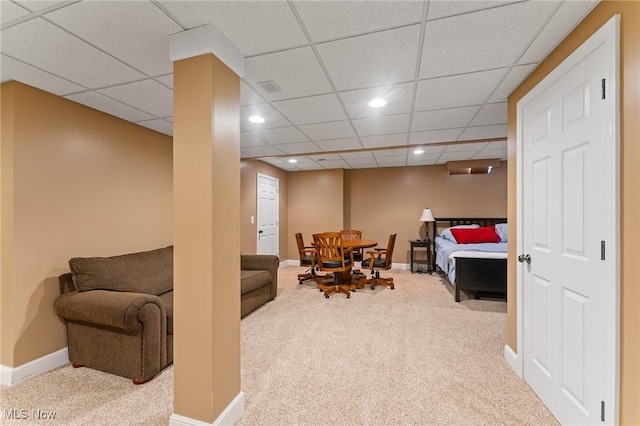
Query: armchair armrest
x,y
258,262
124,310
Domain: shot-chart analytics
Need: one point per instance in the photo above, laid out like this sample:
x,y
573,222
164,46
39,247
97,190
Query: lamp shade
x,y
427,216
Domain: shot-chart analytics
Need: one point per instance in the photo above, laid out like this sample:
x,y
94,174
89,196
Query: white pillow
x,y
446,233
501,230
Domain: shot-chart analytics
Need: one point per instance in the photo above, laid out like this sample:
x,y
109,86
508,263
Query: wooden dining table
x,y
355,278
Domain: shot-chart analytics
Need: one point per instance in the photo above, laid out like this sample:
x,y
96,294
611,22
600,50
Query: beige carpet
x,y
384,357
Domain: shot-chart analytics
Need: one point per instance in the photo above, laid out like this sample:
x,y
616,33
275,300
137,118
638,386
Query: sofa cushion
x,y
149,272
253,280
167,299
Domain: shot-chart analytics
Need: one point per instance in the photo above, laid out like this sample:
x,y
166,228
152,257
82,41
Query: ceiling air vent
x,y
269,86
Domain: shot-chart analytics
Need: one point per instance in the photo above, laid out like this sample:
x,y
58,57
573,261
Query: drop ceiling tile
x,y
247,140
442,9
392,162
376,59
167,80
484,132
442,118
313,109
457,90
368,162
272,118
38,5
298,148
511,81
491,153
565,19
460,147
306,78
339,144
248,96
371,165
158,125
487,39
335,164
275,161
280,135
491,114
399,99
310,166
16,70
455,156
497,145
325,157
135,32
289,167
103,103
434,136
252,26
362,155
384,153
169,119
147,95
34,41
397,139
331,20
430,150
333,130
422,160
382,125
11,11
262,151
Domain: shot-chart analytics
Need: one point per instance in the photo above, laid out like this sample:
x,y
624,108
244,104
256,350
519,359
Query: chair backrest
x,y
351,234
389,256
329,250
300,243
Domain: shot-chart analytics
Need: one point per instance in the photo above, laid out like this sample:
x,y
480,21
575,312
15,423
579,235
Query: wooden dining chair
x,y
353,234
308,259
333,257
380,259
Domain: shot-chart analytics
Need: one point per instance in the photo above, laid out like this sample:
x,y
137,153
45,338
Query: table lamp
x,y
426,217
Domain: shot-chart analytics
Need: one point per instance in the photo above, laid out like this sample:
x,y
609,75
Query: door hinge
x,y
602,250
603,93
602,410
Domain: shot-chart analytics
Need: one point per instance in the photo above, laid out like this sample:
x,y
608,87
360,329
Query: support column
x,y
206,188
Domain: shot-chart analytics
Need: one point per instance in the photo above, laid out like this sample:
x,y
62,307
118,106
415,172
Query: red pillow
x,y
485,234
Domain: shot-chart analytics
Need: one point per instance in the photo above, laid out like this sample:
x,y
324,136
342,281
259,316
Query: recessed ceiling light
x,y
256,119
293,160
419,151
377,103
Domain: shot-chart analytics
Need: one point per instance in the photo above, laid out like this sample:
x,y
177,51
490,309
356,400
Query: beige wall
x,y
75,182
630,182
249,170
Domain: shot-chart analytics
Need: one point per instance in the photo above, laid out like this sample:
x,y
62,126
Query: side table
x,y
422,244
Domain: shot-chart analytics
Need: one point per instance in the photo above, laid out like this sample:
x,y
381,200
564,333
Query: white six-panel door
x,y
267,215
569,255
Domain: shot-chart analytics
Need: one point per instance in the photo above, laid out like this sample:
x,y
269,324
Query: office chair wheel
x,y
320,290
326,296
393,288
373,287
348,296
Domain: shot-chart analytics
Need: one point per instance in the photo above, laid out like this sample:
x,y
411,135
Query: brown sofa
x,y
119,310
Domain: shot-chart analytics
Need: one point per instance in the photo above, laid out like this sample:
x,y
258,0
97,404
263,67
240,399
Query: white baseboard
x,y
290,262
512,359
14,376
230,416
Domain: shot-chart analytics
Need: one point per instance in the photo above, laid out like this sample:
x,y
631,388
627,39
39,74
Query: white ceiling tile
x,y
484,132
303,159
491,153
382,125
169,119
280,135
491,114
422,160
262,151
158,125
430,150
289,167
10,11
371,165
272,118
103,103
454,156
275,161
323,157
147,95
334,130
339,144
16,70
565,19
383,153
335,164
511,81
135,32
310,166
304,79
374,59
34,41
392,162
362,155
441,9
397,139
497,145
298,147
487,39
313,109
167,80
247,140
330,20
369,162
443,118
399,99
252,26
249,96
38,5
461,147
457,90
434,136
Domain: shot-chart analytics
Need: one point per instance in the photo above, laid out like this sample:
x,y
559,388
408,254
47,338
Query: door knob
x,y
260,231
524,258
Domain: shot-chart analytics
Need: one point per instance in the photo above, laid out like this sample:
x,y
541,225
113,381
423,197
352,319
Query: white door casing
x,y
568,207
267,214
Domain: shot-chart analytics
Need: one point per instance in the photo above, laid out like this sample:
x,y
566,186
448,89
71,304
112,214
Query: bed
x,y
478,268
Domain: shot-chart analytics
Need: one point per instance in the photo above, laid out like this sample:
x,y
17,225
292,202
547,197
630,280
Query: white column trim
x,y
11,376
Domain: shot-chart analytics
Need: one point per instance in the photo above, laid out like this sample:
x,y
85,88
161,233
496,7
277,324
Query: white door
x,y
569,216
267,216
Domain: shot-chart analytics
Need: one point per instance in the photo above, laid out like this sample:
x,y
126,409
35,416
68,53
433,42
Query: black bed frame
x,y
482,277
